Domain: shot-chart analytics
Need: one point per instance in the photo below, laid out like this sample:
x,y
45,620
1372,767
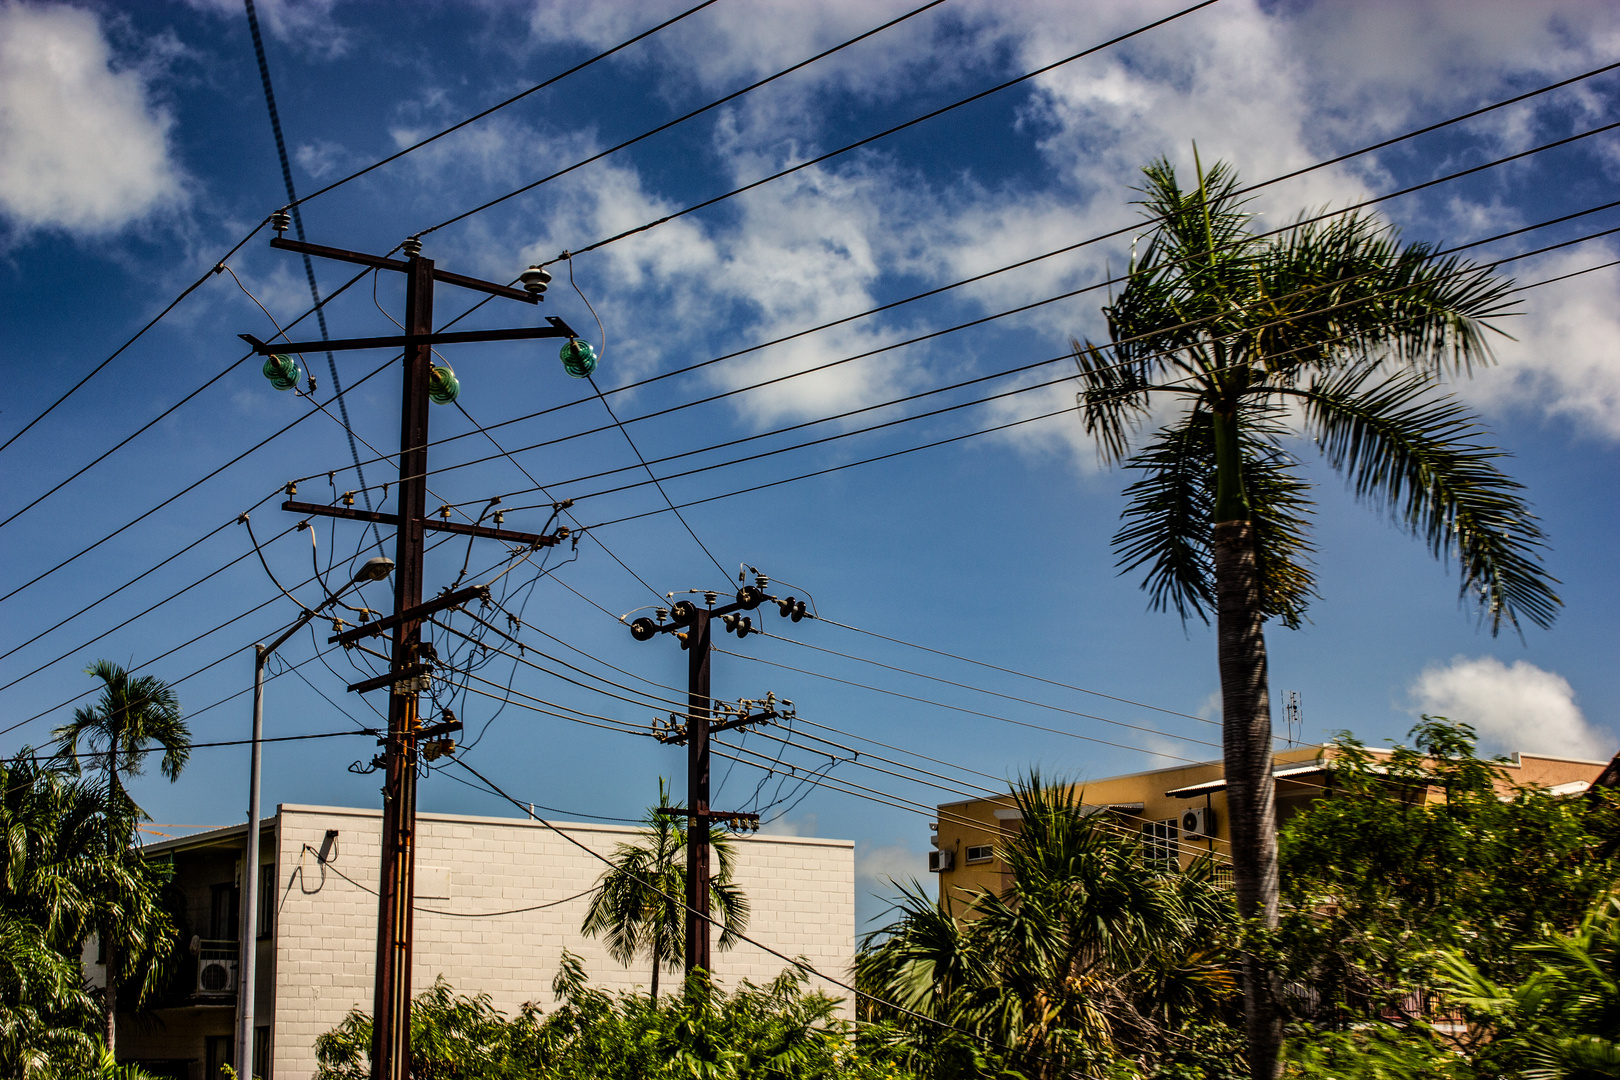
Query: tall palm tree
x,y
639,904
1334,331
130,718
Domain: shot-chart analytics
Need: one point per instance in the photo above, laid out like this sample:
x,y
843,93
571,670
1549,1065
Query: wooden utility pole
x,y
691,625
391,1025
408,667
698,706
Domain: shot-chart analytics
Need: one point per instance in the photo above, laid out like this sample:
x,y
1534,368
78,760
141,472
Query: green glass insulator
x,y
443,386
282,371
578,358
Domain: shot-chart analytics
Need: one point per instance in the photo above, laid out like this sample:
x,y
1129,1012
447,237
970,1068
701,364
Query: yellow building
x,y
1179,813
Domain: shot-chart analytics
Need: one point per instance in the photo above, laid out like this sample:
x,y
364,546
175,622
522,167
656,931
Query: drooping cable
x,y
309,264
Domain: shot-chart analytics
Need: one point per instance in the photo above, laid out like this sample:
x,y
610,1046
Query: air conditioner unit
x,y
1197,823
940,860
216,975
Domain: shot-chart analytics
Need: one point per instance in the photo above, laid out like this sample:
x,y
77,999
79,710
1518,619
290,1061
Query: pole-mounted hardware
x,y
736,822
690,625
410,660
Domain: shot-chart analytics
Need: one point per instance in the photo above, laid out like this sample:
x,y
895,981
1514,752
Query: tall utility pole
x,y
408,666
691,626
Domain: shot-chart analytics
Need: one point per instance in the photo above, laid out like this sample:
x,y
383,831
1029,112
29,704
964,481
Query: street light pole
x,y
374,569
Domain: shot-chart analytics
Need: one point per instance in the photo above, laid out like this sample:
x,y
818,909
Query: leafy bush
x,y
774,1032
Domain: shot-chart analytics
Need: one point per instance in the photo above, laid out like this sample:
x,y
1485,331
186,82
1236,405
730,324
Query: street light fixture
x,y
374,569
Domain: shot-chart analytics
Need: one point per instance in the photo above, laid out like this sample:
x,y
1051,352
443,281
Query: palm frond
x,y
1113,402
1404,444
1166,522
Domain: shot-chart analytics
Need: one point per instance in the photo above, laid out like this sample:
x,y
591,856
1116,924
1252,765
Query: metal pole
x,y
697,794
248,945
391,1025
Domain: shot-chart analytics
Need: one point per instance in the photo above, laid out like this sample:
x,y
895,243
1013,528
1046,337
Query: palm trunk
x,y
108,952
656,966
1250,790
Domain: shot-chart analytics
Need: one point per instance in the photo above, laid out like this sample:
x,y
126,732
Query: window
x,y
980,853
261,1052
1159,847
220,1053
223,917
267,900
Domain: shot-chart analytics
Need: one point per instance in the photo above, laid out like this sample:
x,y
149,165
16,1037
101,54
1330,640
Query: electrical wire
x,y
326,864
936,443
1088,288
330,187
144,612
179,494
1082,243
868,139
298,227
985,715
598,156
509,101
209,745
162,656
1123,230
799,964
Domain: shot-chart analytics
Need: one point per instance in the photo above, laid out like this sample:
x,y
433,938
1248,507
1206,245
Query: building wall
x,y
802,891
975,823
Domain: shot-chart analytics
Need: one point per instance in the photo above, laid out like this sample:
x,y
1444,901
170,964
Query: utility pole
x,y
691,625
409,667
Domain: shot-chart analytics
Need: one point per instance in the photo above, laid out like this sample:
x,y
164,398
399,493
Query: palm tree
x,y
1091,957
129,717
1334,331
639,906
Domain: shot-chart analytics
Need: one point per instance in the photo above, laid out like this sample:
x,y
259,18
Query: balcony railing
x,y
216,968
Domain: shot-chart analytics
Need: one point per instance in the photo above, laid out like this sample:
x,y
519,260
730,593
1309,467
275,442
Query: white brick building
x,y
481,884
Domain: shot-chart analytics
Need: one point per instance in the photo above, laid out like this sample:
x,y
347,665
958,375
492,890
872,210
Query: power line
x,y
336,184
224,742
1091,288
1019,369
183,491
214,663
147,611
654,481
880,135
980,713
298,225
946,441
1066,248
996,693
215,531
681,120
509,101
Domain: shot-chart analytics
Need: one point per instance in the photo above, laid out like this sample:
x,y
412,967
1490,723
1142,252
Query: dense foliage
x,y
1092,960
70,868
1431,849
774,1032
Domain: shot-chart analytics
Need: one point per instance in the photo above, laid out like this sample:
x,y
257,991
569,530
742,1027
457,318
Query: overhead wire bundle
x,y
469,647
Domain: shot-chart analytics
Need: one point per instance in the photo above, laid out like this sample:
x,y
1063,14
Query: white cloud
x,y
876,864
1243,78
82,147
1565,363
302,24
804,825
1512,707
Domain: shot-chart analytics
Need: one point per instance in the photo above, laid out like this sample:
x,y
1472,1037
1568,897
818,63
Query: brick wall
x,y
802,892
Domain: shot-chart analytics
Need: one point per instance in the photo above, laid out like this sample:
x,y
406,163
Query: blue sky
x,y
135,150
